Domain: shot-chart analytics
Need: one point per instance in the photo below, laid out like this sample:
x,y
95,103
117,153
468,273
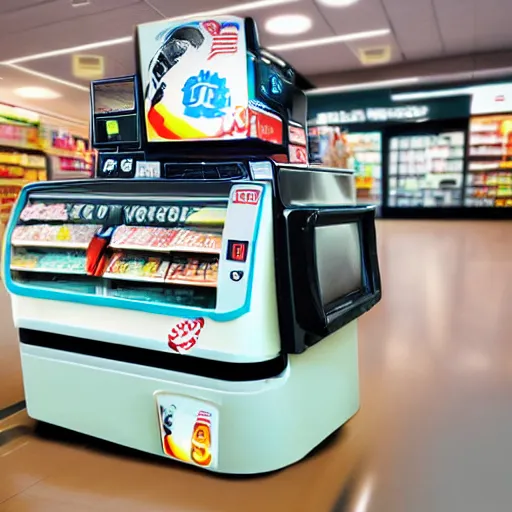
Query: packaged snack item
x,y
48,235
41,211
124,266
69,262
190,271
188,240
24,260
150,238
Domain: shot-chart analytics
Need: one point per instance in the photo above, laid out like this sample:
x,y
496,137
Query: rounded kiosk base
x,y
226,427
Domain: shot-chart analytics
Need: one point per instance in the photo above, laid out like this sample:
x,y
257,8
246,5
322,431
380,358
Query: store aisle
x,y
432,434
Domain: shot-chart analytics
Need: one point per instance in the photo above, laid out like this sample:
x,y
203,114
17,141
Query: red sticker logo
x,y
247,196
185,335
212,26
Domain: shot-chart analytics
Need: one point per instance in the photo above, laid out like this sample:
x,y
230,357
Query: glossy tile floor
x,y
433,433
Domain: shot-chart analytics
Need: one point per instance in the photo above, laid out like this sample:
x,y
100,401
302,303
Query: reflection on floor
x,y
433,433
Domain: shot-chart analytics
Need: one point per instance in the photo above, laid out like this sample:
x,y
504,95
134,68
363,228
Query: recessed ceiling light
x,y
288,24
338,3
39,93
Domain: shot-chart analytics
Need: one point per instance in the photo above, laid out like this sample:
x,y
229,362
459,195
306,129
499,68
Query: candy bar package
x,y
46,234
190,271
41,211
194,241
156,239
72,262
127,266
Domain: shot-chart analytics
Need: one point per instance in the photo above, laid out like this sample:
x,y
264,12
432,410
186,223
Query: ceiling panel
x,y
415,28
171,9
55,11
378,42
457,24
312,61
119,61
73,103
98,26
493,25
18,5
361,16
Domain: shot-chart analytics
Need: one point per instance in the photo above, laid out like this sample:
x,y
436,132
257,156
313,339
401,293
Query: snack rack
x,y
55,239
197,290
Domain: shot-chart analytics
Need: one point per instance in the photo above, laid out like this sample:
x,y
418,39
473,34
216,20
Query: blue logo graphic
x,y
276,85
206,95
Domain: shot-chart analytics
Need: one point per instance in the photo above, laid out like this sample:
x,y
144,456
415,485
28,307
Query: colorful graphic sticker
x,y
192,81
189,429
184,335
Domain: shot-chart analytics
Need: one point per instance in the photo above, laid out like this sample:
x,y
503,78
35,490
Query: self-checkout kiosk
x,y
197,300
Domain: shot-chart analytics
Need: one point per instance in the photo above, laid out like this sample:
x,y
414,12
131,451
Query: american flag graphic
x,y
225,41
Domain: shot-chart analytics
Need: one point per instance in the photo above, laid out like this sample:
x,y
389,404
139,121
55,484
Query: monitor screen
x,y
338,258
114,97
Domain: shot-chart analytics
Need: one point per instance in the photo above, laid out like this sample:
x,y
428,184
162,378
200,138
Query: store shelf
x,y
13,182
132,277
203,284
46,270
54,244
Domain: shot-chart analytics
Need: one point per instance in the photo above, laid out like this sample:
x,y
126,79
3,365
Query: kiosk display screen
x,y
114,97
338,258
192,79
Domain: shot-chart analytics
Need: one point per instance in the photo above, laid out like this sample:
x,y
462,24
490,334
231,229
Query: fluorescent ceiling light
x,y
338,3
362,86
235,8
49,77
72,49
288,24
249,6
446,93
345,38
39,93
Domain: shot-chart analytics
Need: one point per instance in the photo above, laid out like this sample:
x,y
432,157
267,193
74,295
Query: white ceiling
x,y
419,30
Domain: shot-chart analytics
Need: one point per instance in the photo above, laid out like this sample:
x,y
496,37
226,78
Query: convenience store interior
x,y
417,99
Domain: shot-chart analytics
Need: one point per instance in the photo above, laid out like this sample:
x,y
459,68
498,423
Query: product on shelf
x,y
426,170
195,241
332,147
149,238
58,262
489,177
41,211
52,235
192,271
124,266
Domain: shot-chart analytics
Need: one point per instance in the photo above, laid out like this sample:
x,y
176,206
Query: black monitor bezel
x,y
110,146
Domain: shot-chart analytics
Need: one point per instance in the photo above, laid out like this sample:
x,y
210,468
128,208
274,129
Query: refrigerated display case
x,y
426,170
360,151
489,174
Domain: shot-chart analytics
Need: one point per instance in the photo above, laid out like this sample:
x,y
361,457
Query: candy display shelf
x,y
165,240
